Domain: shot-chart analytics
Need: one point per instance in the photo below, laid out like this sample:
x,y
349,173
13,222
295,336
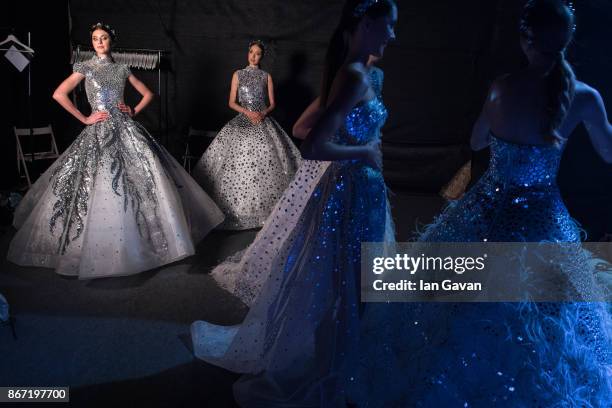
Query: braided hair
x,y
548,26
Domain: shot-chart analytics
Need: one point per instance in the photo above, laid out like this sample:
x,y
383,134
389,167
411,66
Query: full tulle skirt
x,y
115,203
246,170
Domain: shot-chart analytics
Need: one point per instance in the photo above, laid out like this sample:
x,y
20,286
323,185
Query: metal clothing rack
x,y
25,49
137,58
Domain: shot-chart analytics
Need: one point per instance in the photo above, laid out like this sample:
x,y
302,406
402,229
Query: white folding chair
x,y
23,157
191,135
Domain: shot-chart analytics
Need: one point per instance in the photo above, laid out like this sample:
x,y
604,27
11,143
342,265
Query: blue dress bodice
x,y
517,199
362,124
524,166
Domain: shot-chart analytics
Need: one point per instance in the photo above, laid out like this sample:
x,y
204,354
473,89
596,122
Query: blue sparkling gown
x,y
495,354
298,343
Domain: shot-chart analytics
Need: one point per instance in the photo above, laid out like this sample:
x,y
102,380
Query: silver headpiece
x,y
570,5
105,27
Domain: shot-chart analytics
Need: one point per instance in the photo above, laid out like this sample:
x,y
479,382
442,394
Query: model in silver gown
x,y
248,166
116,202
245,273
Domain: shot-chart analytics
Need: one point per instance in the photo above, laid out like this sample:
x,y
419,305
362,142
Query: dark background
x,y
436,75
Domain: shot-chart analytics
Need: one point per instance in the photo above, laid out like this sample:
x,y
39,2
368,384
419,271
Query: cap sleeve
x,y
126,71
79,67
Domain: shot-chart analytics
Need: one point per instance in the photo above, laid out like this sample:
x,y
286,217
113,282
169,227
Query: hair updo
x,y
104,27
261,46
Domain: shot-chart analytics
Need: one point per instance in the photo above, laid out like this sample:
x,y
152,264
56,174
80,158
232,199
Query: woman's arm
x,y
147,97
481,132
272,105
232,96
306,121
596,122
61,96
352,88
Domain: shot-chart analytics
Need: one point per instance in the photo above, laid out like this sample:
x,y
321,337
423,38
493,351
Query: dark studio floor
x,y
125,341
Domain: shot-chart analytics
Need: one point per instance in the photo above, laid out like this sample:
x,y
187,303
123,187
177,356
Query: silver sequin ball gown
x,y
246,272
115,202
248,166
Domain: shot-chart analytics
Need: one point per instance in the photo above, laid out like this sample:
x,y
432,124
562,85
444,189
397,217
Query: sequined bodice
x,y
362,124
252,88
517,199
524,165
104,82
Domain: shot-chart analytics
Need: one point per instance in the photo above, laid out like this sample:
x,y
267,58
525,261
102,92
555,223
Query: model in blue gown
x,y
494,354
524,354
305,321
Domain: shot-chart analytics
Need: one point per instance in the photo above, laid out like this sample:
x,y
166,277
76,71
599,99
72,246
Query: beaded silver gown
x,y
248,166
115,202
245,273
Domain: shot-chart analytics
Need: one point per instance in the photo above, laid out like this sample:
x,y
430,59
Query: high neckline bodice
x,y
96,59
252,88
104,82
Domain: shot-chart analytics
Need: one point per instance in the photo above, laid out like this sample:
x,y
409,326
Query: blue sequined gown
x,y
299,339
495,354
115,202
